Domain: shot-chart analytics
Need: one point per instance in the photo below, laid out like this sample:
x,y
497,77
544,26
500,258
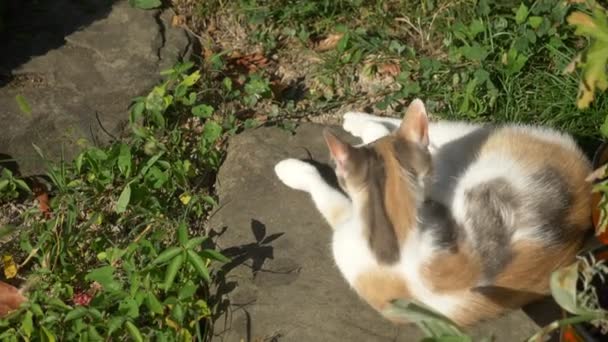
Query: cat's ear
x,y
415,124
340,150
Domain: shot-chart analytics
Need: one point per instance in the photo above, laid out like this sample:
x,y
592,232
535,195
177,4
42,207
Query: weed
x,y
120,253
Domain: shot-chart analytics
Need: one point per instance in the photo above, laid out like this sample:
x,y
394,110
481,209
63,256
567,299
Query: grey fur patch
x,y
382,237
490,208
550,204
411,157
436,219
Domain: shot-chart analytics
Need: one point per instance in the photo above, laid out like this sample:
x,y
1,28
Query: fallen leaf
x,y
581,19
390,69
178,20
43,200
10,268
185,198
252,62
10,298
597,174
572,65
329,42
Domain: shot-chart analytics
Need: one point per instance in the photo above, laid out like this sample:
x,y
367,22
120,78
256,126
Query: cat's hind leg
x,y
300,175
357,123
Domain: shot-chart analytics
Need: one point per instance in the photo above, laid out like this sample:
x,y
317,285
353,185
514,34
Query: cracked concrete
x,y
86,79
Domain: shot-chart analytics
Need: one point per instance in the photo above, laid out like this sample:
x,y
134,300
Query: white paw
x,y
354,122
297,174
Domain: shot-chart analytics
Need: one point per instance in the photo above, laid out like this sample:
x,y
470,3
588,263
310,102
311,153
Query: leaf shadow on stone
x,y
33,28
252,255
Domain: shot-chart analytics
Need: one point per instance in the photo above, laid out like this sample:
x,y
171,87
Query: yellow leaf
x,y
585,95
10,268
185,198
171,323
582,19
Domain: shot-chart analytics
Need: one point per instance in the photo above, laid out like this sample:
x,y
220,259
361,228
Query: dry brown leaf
x,y
251,62
10,298
597,174
329,42
391,69
178,20
43,200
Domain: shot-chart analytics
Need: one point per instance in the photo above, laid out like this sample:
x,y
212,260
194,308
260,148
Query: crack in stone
x,y
162,30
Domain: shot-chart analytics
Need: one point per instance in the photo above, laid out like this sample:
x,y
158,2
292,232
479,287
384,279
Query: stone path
x,y
286,287
88,59
74,59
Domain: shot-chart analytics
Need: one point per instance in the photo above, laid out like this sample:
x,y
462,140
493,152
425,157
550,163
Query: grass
x,y
120,250
470,60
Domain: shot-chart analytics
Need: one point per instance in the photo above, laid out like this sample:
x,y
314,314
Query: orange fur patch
x,y
532,264
398,199
379,287
450,271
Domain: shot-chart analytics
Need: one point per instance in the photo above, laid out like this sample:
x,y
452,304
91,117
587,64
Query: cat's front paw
x,y
297,174
355,122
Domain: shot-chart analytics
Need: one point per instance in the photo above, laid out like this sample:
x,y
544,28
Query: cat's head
x,y
401,157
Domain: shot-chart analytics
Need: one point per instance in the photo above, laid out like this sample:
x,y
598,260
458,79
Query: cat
x,y
467,219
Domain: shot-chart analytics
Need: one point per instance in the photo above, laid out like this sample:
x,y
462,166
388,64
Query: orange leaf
x,y
178,20
43,200
391,69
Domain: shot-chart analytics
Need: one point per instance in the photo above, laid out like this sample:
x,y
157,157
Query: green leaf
x,y
153,304
199,265
24,107
104,276
563,288
535,21
166,255
27,325
155,100
129,308
194,242
215,255
145,4
182,233
137,111
191,79
521,14
46,335
202,111
77,313
227,82
171,272
178,313
94,334
123,200
433,324
187,291
3,184
134,332
212,131
343,43
124,160
476,27
21,184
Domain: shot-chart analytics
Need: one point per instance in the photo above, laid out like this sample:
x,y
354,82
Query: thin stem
x,y
539,336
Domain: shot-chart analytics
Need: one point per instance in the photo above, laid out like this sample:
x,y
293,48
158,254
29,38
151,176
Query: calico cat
x,y
469,220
